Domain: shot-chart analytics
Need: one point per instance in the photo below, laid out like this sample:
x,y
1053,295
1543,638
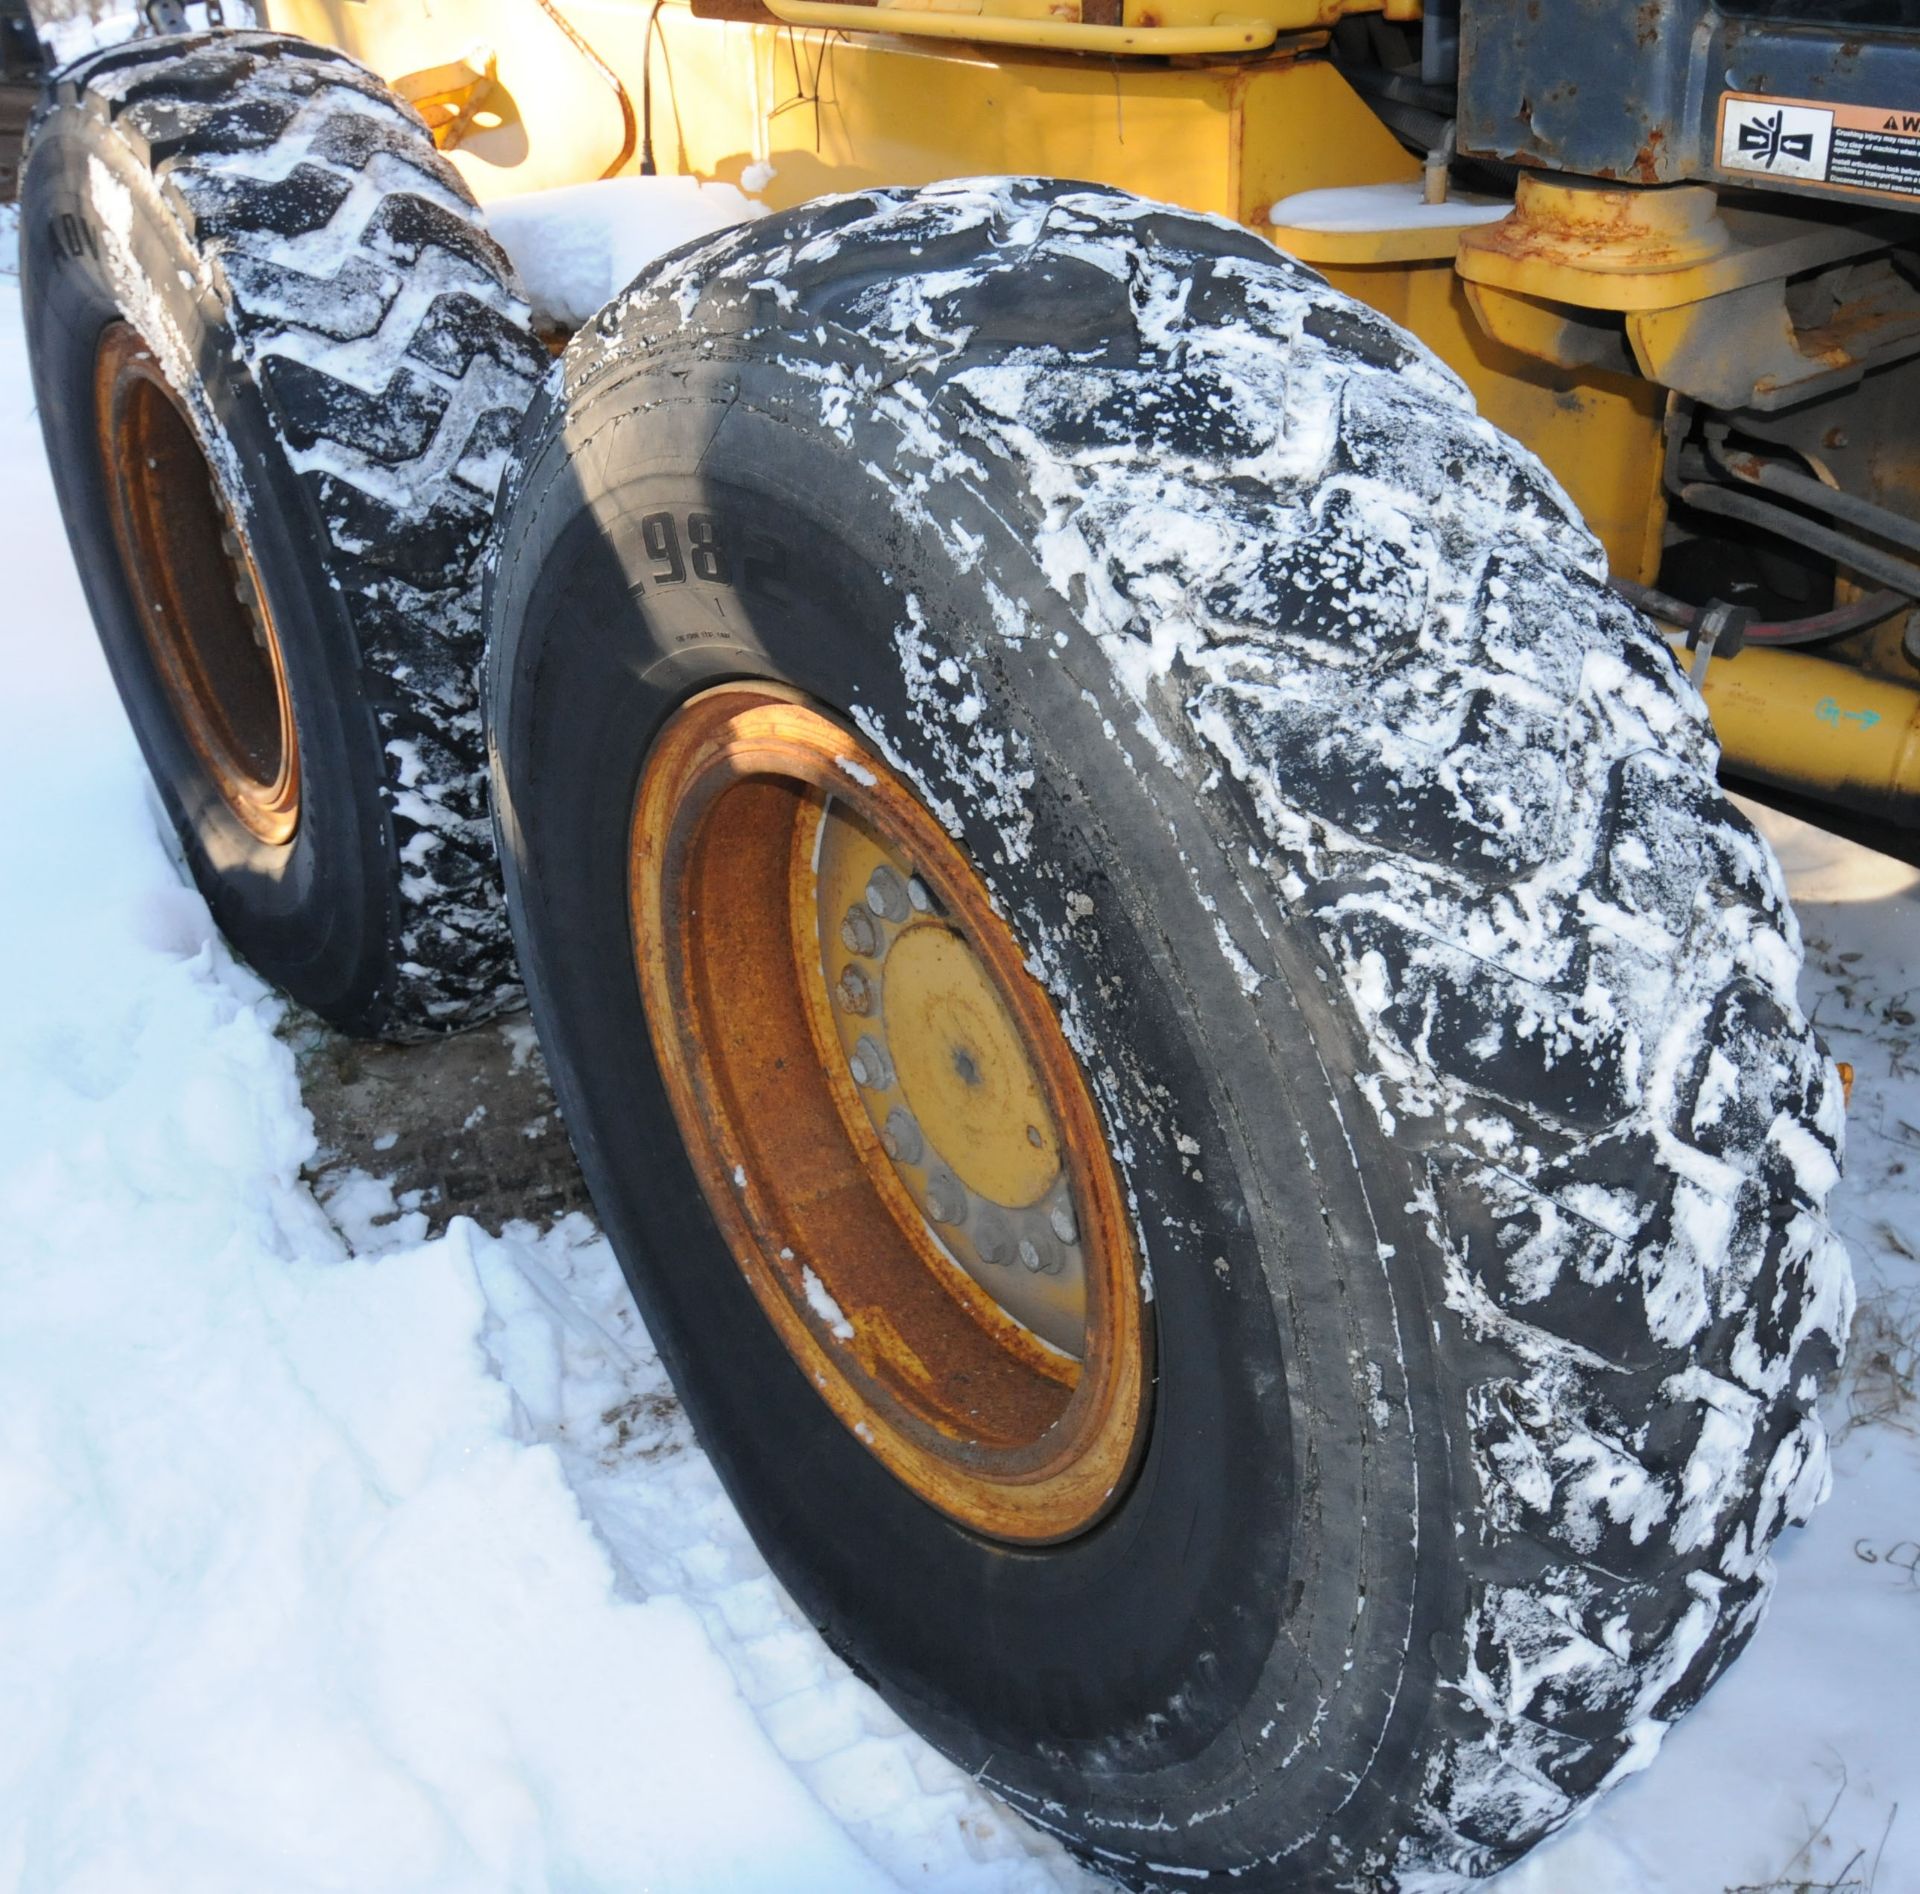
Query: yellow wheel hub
x,y
944,1079
963,1072
889,1127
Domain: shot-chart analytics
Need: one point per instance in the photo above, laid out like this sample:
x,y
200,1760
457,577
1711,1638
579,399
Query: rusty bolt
x,y
860,932
855,991
946,1198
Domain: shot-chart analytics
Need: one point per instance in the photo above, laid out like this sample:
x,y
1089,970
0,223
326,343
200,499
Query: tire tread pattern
x,y
1483,784
394,351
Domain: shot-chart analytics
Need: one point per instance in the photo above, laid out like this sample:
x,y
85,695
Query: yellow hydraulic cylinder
x,y
1806,723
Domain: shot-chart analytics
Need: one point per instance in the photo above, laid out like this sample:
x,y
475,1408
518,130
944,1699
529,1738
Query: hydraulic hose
x,y
1791,484
1817,629
1899,575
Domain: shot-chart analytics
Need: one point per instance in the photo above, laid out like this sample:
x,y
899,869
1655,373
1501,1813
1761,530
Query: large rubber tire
x,y
1440,1010
313,280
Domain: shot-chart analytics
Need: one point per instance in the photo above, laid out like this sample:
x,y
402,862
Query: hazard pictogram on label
x,y
1859,147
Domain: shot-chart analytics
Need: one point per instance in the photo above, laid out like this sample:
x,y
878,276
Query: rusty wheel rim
x,y
196,589
885,1117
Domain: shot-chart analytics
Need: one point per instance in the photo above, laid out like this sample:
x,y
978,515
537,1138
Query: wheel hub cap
x,y
952,1095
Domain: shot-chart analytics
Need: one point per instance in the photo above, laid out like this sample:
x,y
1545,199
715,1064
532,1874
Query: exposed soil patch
x,y
461,1126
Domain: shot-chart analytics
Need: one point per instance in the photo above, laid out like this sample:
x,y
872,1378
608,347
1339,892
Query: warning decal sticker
x,y
1868,148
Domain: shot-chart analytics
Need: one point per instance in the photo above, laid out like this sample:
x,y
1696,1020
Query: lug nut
x,y
887,895
870,1065
855,991
946,1198
1030,1255
860,932
900,1138
1060,1218
918,896
992,1239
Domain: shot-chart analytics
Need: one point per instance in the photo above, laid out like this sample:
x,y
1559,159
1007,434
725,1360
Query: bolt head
x,y
900,1137
887,895
918,896
1060,1220
946,1198
860,933
1041,1255
855,991
870,1065
993,1240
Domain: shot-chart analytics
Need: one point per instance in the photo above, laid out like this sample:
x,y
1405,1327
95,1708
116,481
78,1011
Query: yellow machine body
x,y
1571,315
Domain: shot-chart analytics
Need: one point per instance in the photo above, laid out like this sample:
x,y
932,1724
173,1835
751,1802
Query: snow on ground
x,y
574,246
392,1564
327,1571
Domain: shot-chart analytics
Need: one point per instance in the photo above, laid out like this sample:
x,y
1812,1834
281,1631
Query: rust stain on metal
x,y
1589,225
1646,160
629,123
197,589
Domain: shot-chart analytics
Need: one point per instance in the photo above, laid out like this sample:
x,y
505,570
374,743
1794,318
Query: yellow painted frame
x,y
833,111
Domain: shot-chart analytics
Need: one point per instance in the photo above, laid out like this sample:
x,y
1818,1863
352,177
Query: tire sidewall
x,y
317,908
1165,1657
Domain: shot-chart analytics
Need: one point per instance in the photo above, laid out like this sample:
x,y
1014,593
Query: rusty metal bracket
x,y
1774,344
1732,306
1631,248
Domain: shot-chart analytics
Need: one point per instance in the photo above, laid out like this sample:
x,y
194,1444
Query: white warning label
x,y
1867,148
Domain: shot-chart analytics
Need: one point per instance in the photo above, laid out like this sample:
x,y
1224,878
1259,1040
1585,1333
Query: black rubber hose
x,y
1900,575
1817,629
647,167
1791,484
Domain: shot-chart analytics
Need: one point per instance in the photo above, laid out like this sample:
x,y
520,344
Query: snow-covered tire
x,y
1440,1010
313,283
